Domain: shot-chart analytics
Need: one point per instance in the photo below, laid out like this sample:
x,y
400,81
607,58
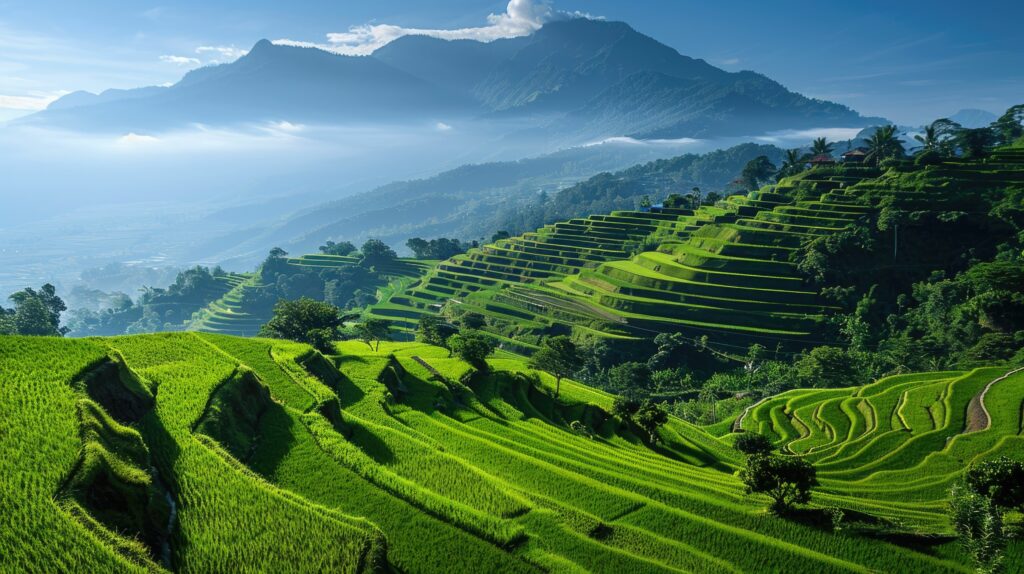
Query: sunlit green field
x,y
209,453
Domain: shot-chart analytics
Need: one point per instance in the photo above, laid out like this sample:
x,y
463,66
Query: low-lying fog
x,y
71,201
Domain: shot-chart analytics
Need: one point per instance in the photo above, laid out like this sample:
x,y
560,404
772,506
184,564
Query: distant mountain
x,y
575,78
270,83
973,118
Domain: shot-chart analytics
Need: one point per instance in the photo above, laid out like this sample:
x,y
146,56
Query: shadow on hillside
x,y
369,443
868,526
164,452
276,438
348,392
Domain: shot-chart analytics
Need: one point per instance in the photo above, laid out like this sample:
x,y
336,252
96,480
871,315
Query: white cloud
x,y
521,18
729,61
442,127
221,54
789,137
133,138
31,102
180,60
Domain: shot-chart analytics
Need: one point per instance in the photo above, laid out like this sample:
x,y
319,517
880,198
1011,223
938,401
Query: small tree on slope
x,y
306,321
558,356
786,480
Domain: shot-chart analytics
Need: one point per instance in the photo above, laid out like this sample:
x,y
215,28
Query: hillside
x,y
474,201
737,272
269,455
585,79
341,280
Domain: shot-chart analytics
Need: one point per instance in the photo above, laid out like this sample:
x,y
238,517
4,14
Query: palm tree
x,y
792,164
883,144
821,146
929,140
939,137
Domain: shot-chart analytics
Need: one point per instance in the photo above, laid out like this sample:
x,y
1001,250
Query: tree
x,y
558,356
884,144
975,143
1000,480
305,320
670,351
757,172
829,367
650,417
753,444
821,146
498,236
376,252
792,164
441,248
472,347
37,312
629,377
434,330
7,324
929,140
786,480
341,248
979,525
373,331
1009,126
624,406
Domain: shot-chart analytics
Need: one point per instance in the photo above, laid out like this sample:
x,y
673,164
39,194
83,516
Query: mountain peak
x,y
263,44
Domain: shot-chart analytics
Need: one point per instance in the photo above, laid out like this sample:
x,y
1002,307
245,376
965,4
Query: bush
x,y
786,480
1000,480
752,443
306,321
472,347
930,157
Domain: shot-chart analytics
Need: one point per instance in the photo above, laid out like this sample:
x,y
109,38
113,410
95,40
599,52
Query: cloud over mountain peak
x,y
521,18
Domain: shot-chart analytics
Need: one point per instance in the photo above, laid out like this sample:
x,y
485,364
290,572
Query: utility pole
x,y
895,240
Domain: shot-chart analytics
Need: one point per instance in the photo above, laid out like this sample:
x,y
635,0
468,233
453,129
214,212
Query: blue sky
x,y
910,61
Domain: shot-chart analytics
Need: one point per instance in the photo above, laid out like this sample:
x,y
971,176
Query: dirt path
x,y
978,418
737,425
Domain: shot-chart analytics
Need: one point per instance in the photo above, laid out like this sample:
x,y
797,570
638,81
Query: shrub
x,y
787,481
472,347
752,444
1000,480
979,525
306,321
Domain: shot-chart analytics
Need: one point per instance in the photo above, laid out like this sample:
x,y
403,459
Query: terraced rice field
x,y
235,313
723,271
269,456
902,441
231,315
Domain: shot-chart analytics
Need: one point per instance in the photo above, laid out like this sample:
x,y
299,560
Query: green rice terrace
x,y
241,311
198,452
724,271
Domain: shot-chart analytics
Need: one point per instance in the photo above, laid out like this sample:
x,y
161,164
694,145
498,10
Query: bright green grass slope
x,y
279,459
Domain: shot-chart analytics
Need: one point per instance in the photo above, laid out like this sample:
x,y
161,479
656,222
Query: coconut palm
x,y
929,140
884,144
939,137
821,146
792,164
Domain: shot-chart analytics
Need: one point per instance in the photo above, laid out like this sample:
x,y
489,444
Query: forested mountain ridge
x,y
589,77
